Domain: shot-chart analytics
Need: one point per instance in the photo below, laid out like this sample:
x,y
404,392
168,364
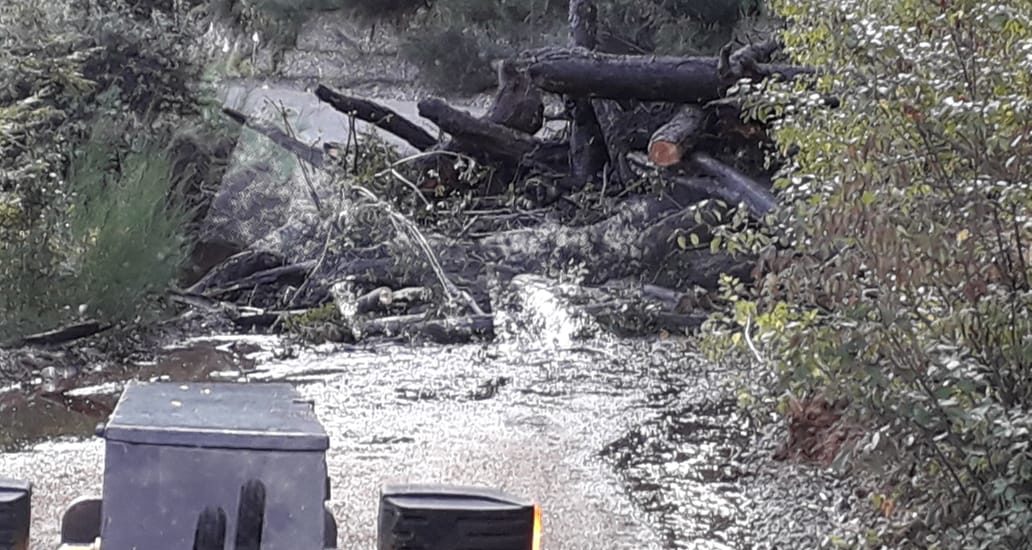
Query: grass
x,y
119,241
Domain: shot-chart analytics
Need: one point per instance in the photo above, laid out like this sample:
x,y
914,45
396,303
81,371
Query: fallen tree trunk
x,y
294,273
60,335
717,181
672,140
737,188
379,116
582,73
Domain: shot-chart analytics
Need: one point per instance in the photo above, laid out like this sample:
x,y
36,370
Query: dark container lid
x,y
13,489
271,417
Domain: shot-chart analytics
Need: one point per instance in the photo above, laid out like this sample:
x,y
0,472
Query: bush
x,y
75,230
903,285
119,238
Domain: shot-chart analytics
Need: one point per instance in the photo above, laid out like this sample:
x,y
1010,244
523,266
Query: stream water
x,y
628,444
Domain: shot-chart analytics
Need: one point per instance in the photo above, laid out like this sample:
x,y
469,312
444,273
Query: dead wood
x,y
490,142
718,181
60,335
294,273
518,103
583,73
588,150
235,268
735,187
672,140
443,331
379,116
305,152
583,24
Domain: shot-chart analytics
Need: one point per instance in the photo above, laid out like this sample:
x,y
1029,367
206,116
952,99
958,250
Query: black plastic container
x,y
434,517
15,514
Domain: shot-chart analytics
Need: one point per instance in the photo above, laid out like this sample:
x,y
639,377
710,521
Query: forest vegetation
x,y
886,314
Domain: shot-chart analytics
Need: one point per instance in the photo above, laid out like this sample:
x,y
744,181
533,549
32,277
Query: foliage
x,y
94,234
119,237
904,278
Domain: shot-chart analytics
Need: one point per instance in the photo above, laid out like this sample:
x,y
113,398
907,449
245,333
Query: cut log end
x,y
665,153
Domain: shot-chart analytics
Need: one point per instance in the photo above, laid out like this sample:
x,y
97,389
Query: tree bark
x,y
713,179
583,24
736,187
588,152
442,331
518,103
582,73
671,141
487,141
379,116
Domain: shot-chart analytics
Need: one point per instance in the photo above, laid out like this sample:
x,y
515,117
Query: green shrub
x,y
119,238
906,286
75,230
126,229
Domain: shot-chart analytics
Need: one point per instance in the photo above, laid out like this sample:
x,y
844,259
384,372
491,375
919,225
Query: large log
x,y
736,187
377,115
583,73
627,129
717,181
444,331
672,140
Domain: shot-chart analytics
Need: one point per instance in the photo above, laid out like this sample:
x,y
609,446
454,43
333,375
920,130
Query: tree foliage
x,y
903,279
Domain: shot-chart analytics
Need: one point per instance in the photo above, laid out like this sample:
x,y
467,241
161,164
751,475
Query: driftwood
x,y
491,142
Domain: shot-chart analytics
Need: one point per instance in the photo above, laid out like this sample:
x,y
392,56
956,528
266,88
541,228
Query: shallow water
x,y
626,443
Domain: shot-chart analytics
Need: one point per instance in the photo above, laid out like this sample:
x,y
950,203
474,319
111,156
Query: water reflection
x,y
627,443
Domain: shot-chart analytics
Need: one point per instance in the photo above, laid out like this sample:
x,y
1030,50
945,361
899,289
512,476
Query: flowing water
x,y
627,444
